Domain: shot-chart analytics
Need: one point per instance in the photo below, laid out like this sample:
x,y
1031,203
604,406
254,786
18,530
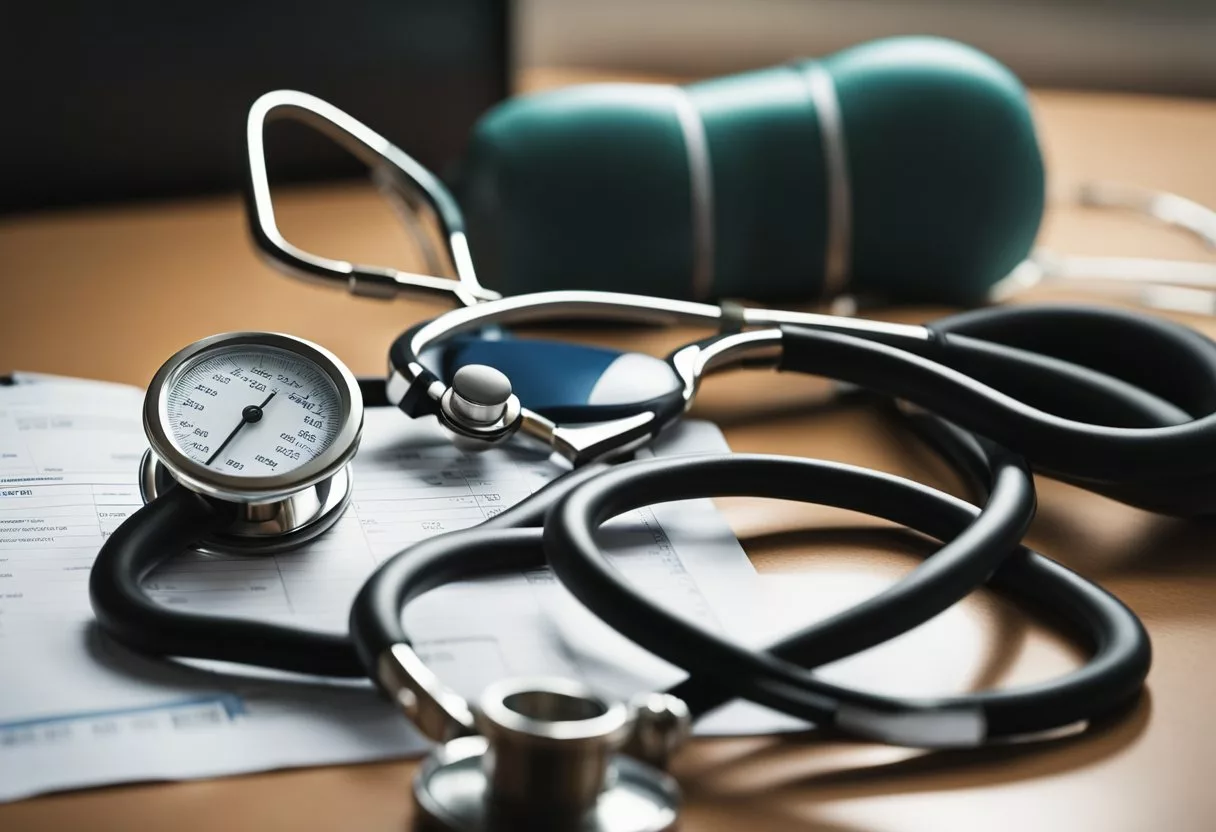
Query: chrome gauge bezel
x,y
245,489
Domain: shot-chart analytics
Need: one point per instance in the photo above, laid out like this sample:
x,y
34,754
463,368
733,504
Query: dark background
x,y
138,99
141,99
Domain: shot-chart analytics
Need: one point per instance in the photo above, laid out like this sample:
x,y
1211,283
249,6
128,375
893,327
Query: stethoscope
x,y
1114,402
536,752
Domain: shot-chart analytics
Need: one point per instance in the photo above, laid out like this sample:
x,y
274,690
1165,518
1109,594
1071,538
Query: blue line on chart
x,y
232,704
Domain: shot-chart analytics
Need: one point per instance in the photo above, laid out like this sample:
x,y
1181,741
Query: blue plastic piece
x,y
565,382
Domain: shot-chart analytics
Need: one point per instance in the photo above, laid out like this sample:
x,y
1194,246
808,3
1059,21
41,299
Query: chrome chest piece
x,y
551,755
263,421
479,409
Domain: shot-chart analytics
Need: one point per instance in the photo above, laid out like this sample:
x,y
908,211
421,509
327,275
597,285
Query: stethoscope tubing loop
x,y
1114,674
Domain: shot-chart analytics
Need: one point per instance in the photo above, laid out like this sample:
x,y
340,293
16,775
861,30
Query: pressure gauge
x,y
264,421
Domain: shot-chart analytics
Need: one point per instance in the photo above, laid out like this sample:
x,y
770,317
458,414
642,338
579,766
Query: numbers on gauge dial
x,y
253,411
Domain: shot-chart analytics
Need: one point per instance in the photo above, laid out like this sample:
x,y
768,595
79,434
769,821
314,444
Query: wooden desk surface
x,y
98,293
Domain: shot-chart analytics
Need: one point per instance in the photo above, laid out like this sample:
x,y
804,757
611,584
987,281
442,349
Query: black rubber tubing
x,y
952,572
981,464
1083,347
1085,389
157,532
1168,359
1087,395
1121,652
1061,387
949,575
375,618
180,518
1088,451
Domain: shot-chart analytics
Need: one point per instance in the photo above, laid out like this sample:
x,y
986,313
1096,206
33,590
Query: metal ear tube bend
x,y
392,165
418,392
1110,401
436,710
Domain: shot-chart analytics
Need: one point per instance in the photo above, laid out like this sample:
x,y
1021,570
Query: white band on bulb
x,y
700,177
837,265
958,728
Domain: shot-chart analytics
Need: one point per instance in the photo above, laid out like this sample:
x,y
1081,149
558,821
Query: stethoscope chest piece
x,y
548,757
263,528
264,424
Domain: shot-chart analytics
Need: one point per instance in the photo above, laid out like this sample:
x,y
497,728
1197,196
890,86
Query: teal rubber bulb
x,y
906,168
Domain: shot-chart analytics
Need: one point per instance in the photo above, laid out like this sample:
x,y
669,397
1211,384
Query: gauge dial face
x,y
252,410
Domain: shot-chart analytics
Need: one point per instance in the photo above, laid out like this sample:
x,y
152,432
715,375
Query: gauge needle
x,y
252,413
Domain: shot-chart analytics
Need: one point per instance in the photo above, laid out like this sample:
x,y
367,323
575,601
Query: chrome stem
x,y
641,309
